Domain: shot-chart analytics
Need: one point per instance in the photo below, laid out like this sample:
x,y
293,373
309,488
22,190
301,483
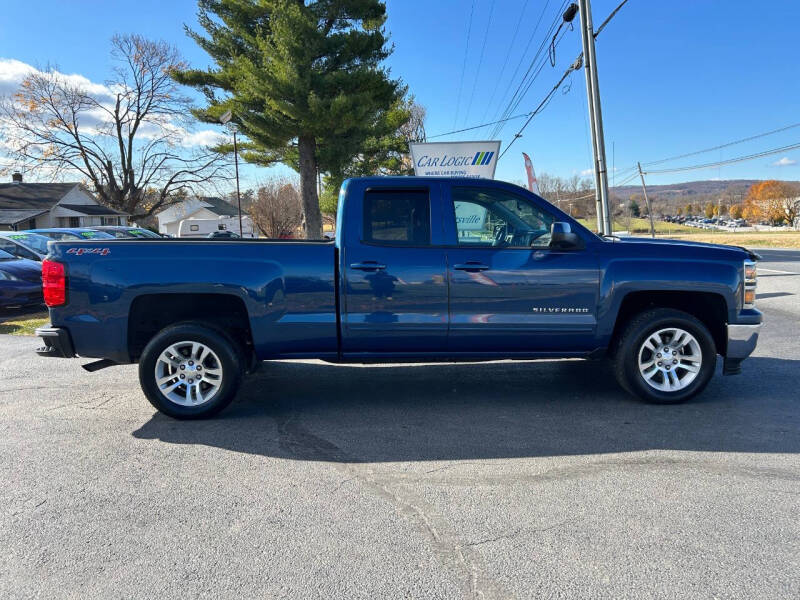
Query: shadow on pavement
x,y
307,411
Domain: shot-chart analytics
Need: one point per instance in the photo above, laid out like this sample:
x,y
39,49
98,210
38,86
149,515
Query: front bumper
x,y
742,340
57,342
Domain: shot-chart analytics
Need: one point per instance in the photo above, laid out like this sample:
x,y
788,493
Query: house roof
x,y
11,216
218,206
29,196
92,209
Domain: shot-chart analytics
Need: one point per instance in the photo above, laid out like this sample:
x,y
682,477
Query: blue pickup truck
x,y
422,269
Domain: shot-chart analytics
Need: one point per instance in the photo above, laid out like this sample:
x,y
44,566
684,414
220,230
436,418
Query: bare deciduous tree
x,y
127,138
276,209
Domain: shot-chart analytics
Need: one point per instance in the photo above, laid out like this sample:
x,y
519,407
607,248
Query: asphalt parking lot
x,y
501,480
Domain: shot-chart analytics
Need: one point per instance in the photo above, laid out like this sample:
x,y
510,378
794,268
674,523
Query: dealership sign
x,y
477,160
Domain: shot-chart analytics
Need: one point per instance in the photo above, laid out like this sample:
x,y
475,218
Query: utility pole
x,y
236,163
225,119
595,118
647,201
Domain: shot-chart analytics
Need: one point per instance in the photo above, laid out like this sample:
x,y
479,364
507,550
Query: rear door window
x,y
397,217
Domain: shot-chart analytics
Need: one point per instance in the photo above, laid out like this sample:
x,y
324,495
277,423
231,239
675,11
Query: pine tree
x,y
303,79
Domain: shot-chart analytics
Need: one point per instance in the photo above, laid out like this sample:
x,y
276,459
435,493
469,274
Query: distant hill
x,y
688,189
670,196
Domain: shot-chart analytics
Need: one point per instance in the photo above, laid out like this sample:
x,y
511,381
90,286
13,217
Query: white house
x,y
39,205
204,207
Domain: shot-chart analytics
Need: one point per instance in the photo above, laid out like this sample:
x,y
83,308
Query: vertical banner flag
x,y
533,185
477,160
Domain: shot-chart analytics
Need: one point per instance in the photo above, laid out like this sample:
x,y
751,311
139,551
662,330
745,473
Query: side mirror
x,y
562,237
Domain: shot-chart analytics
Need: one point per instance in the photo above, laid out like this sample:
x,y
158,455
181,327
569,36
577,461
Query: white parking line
x,y
760,269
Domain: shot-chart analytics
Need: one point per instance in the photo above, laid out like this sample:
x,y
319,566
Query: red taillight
x,y
54,283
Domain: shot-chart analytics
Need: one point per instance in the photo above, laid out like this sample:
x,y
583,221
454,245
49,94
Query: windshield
x,y
6,256
143,233
31,240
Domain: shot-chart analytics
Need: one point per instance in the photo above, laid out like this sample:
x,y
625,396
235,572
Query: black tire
x,y
634,335
229,358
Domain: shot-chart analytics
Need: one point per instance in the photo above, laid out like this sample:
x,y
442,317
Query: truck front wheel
x,y
665,356
189,371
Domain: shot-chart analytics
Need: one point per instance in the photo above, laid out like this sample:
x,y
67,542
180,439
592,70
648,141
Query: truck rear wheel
x,y
189,371
665,356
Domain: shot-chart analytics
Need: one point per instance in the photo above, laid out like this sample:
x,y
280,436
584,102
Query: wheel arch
x,y
150,313
710,308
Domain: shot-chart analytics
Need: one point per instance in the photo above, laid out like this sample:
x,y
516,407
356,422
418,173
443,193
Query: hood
x,y
23,269
687,244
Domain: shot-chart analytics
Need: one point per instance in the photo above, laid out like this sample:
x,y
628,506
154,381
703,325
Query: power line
x,y
609,17
726,145
634,168
480,61
573,67
627,180
524,52
529,77
526,78
464,66
505,62
725,162
536,74
438,135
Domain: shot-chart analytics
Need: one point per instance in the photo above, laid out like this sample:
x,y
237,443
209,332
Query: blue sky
x,y
675,76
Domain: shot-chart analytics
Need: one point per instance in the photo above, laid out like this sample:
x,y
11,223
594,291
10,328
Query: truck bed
x,y
287,290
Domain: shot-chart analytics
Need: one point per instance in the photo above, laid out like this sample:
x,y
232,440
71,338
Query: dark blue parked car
x,y
20,281
422,269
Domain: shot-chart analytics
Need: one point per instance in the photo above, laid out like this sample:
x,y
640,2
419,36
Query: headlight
x,y
750,282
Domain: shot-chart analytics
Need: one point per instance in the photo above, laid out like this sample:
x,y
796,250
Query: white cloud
x,y
784,162
204,137
587,172
12,73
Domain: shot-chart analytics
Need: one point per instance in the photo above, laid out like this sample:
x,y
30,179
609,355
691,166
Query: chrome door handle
x,y
368,265
471,266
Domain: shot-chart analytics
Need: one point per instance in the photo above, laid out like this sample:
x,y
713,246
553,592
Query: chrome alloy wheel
x,y
670,359
188,373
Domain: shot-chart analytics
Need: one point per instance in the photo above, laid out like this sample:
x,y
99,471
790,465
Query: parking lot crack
x,y
494,539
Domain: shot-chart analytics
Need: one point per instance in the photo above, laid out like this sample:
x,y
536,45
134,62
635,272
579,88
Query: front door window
x,y
495,218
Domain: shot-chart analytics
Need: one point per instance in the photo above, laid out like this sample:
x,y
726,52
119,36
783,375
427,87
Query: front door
x,y
395,278
509,291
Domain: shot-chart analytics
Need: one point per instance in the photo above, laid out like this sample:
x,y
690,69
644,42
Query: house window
x,y
74,222
110,220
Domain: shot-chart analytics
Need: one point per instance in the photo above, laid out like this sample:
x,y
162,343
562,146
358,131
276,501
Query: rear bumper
x,y
742,340
57,342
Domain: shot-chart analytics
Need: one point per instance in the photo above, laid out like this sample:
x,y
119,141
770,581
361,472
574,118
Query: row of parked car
x,y
21,254
704,223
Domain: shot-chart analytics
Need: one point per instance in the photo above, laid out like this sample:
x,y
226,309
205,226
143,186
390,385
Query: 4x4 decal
x,y
81,251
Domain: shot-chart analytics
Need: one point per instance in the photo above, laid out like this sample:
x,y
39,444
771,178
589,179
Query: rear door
x,y
394,277
509,291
